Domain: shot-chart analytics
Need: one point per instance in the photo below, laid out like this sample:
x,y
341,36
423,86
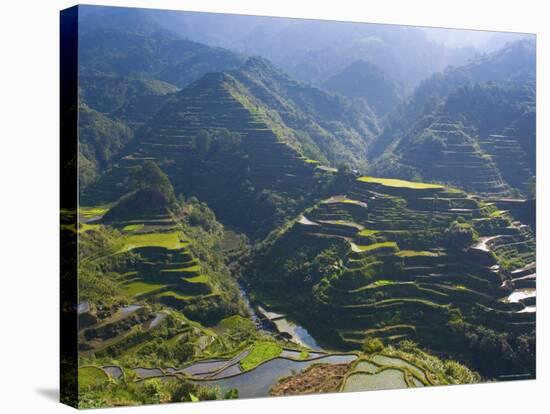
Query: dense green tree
x,y
151,176
372,345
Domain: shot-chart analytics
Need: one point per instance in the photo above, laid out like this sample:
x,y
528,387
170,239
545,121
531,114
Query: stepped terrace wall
x,y
393,267
213,144
443,149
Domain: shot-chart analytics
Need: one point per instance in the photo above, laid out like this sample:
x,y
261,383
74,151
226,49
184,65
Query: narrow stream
x,y
251,311
297,334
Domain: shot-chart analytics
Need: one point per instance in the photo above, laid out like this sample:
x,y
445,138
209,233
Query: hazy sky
x,y
482,40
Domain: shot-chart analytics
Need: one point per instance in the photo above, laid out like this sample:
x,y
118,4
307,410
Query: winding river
x,y
296,333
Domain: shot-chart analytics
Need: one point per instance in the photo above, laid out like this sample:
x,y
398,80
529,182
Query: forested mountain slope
x,y
328,128
214,144
162,56
100,139
250,135
126,74
130,100
363,80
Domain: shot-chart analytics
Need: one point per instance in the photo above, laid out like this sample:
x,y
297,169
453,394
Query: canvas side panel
x,y
68,204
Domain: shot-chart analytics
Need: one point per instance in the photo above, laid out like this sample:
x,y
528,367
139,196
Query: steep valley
x,y
402,260
215,143
244,234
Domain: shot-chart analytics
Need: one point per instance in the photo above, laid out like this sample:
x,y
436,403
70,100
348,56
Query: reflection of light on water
x,y
258,382
158,317
518,295
83,307
269,314
125,310
298,333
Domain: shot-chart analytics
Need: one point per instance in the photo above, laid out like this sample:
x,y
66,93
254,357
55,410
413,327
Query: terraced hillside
x,y
155,263
158,306
444,148
156,310
288,372
260,367
324,127
215,144
463,130
235,237
507,153
402,260
155,296
504,115
396,369
386,368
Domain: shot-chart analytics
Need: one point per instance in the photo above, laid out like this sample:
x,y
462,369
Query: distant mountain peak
x,y
261,65
363,79
259,62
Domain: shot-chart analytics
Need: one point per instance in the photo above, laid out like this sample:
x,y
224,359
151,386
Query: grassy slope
x,y
261,352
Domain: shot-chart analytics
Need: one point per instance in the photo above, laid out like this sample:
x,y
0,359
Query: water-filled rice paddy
x,y
258,382
398,362
366,366
148,372
83,307
227,372
200,367
158,319
126,310
417,382
114,371
387,379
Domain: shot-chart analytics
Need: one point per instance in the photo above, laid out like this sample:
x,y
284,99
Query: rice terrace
x,y
266,211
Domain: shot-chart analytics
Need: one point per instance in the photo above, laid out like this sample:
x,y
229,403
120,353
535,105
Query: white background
x,y
29,193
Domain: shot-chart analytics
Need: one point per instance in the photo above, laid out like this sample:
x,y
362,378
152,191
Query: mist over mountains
x,y
384,76
352,188
408,54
